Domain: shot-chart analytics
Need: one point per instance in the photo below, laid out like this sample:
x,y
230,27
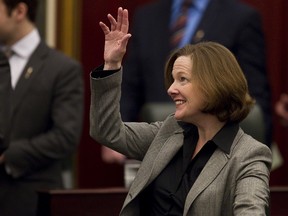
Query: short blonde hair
x,y
219,78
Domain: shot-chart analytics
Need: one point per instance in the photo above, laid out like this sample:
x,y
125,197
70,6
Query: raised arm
x,y
116,39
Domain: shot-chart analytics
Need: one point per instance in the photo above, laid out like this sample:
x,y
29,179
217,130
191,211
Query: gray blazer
x,y
230,184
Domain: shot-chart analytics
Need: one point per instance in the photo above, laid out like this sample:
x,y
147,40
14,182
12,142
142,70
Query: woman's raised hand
x,y
116,39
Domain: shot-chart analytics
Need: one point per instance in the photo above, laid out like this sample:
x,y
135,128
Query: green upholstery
x,y
253,124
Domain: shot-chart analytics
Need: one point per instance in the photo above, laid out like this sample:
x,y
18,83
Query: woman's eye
x,y
182,79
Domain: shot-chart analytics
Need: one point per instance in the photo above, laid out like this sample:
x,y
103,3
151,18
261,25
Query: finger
x,y
119,18
125,22
104,28
278,108
284,98
281,110
112,21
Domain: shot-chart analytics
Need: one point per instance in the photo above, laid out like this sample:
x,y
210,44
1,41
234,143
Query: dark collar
x,y
225,136
223,139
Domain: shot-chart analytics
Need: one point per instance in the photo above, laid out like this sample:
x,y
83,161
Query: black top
x,y
166,195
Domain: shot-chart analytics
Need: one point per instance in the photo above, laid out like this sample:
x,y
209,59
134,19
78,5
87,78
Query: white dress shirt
x,y
22,50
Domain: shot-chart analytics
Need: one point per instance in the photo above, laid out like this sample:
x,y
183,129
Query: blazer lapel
x,y
167,152
157,158
31,69
206,23
213,167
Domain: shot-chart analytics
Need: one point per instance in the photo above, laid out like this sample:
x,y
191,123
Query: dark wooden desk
x,y
108,202
81,202
279,201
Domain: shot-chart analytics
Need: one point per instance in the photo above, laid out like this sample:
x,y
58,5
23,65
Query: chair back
x,y
253,124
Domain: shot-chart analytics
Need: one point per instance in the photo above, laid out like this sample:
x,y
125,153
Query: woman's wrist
x,y
112,66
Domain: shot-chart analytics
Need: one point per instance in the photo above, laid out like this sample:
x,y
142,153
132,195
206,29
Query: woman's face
x,y
185,93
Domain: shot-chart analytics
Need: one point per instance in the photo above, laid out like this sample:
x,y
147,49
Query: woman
x,y
198,161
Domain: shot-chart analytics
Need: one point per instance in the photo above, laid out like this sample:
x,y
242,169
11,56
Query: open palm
x,y
116,39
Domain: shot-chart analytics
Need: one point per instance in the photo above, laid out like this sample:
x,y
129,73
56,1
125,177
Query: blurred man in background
x,y
46,111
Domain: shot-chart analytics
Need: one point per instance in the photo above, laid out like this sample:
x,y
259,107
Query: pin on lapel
x,y
199,36
28,73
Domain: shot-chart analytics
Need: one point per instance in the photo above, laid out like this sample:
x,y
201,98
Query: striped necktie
x,y
8,52
178,27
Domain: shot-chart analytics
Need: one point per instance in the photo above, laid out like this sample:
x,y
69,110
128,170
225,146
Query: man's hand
x,y
2,159
116,39
110,156
281,109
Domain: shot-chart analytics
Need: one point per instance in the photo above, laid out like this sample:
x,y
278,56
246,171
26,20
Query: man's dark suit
x,y
229,22
46,124
5,92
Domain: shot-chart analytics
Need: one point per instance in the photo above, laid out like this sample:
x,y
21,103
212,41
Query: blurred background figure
x,y
163,25
46,110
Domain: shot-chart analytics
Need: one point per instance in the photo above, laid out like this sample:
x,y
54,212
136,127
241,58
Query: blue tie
x,y
178,28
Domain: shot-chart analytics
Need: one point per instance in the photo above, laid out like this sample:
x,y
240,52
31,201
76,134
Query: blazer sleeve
x,y
252,193
106,126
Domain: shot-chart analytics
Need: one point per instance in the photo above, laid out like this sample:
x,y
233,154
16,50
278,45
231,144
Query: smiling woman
x,y
199,155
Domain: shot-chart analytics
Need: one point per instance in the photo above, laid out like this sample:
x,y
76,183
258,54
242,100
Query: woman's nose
x,y
171,90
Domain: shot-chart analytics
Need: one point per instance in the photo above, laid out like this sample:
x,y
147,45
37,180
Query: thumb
x,y
125,40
